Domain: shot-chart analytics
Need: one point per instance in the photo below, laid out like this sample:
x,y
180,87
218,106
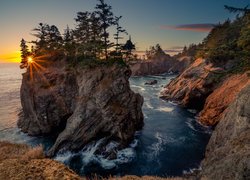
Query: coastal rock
x,y
221,97
159,65
151,82
228,151
81,105
192,87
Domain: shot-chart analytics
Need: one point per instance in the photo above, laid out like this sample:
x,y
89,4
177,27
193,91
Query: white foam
x,y
148,105
64,157
138,87
165,109
88,154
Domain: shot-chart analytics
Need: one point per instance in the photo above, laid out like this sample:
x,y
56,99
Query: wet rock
x,y
151,82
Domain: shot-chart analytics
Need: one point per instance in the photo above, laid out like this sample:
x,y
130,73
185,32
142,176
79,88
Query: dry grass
x,y
34,153
20,162
132,177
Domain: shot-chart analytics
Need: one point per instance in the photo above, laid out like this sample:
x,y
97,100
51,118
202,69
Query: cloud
x,y
191,27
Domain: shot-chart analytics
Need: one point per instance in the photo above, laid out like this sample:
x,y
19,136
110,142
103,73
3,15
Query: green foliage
x,y
228,41
154,51
106,17
92,63
87,44
49,39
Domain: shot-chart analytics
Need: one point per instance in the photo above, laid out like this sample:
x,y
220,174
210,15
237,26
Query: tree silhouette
x,y
68,42
237,10
24,54
128,48
106,17
117,36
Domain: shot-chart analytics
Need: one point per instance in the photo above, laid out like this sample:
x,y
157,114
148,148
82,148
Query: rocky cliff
x,y
79,105
191,88
206,88
218,101
228,151
158,65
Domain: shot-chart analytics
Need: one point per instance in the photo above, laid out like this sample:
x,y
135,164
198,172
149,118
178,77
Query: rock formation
x,y
80,105
222,97
228,151
159,65
191,88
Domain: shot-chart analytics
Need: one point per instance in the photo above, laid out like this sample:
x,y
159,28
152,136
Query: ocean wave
x,y
198,127
165,109
88,156
138,87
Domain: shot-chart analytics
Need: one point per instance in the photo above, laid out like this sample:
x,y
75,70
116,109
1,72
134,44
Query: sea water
x,y
170,143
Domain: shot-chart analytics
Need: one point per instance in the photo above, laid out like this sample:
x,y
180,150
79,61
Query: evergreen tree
x,y
106,17
117,36
68,42
128,48
54,38
40,33
24,54
95,35
237,10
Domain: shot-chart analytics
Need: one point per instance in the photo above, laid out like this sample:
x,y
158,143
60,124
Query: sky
x,y
171,23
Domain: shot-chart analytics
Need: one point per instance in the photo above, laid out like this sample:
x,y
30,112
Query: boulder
x,y
151,82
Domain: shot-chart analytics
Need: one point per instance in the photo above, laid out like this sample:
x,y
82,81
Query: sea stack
x,y
81,104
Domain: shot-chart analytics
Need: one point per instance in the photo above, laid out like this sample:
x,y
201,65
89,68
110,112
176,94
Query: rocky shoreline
x,y
223,102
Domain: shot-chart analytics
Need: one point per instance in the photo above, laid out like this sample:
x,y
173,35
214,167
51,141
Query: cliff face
x,y
81,105
222,97
159,65
192,87
228,151
201,87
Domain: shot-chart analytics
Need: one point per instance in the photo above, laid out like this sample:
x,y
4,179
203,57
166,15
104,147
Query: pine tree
x,y
54,38
24,54
68,42
41,33
106,17
128,48
117,36
237,10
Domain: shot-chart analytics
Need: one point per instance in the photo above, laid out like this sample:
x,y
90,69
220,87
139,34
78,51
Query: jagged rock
x,y
159,65
228,151
151,82
192,87
81,105
221,98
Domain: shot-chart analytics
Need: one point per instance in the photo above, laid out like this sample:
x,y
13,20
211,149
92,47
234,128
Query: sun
x,y
30,60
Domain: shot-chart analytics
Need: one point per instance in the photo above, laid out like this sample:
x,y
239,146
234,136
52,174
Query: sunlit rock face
x,y
80,105
192,87
218,101
227,155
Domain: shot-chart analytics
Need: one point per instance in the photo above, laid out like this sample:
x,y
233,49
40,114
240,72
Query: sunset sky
x,y
171,23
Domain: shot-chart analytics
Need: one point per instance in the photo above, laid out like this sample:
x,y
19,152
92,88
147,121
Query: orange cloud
x,y
13,57
191,27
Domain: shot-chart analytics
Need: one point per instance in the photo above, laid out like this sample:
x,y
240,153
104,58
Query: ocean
x,y
171,142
